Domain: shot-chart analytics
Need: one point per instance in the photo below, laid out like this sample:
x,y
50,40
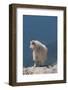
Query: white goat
x,y
39,52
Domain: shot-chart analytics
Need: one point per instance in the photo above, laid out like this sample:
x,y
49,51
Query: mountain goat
x,y
39,52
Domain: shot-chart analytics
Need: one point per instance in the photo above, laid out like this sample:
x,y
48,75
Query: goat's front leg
x,y
34,64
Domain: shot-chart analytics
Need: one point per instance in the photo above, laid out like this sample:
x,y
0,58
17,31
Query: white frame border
x,y
46,77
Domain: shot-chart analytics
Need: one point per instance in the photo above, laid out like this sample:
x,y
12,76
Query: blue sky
x,y
42,28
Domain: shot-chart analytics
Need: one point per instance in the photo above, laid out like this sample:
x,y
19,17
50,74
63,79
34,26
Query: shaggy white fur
x,y
39,52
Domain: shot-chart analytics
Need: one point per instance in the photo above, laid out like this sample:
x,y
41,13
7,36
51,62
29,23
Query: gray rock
x,y
40,70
